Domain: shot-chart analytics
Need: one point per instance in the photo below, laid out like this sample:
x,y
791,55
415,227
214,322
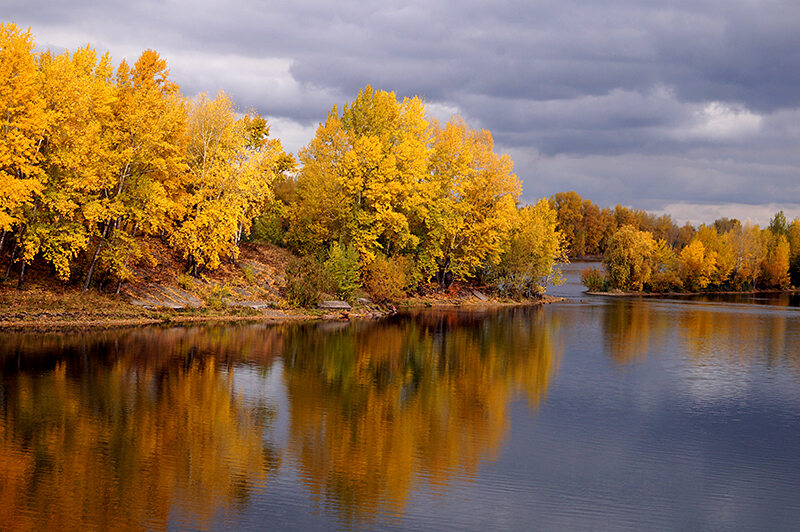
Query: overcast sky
x,y
688,107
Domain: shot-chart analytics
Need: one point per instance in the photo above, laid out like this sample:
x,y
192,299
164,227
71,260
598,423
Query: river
x,y
592,413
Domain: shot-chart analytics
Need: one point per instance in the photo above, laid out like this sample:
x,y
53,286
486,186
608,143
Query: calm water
x,y
591,414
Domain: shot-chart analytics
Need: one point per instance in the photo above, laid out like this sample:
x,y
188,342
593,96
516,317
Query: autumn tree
x,y
23,123
527,264
78,94
775,265
363,177
721,249
474,211
697,265
749,251
569,210
629,258
232,165
140,187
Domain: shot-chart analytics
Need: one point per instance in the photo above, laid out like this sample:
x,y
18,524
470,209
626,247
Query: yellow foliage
x,y
23,123
474,210
697,265
629,258
363,178
232,165
534,248
775,266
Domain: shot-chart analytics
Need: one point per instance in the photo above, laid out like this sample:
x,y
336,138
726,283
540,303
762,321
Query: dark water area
x,y
593,413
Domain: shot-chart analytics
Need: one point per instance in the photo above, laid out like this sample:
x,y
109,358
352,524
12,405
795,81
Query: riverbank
x,y
40,309
252,289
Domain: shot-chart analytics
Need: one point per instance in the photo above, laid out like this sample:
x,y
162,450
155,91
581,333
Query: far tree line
x,y
645,252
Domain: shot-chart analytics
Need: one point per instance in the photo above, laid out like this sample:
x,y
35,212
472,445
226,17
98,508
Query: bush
x,y
249,274
343,270
185,281
666,281
594,280
305,279
386,279
217,297
268,228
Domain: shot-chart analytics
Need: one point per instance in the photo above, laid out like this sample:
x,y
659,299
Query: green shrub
x,y
386,279
268,228
343,270
218,295
185,281
249,273
594,280
306,278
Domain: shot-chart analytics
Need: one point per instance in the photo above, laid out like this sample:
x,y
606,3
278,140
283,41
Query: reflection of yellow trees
x,y
378,406
629,327
744,335
146,434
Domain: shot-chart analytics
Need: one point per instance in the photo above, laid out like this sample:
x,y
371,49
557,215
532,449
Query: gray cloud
x,y
644,103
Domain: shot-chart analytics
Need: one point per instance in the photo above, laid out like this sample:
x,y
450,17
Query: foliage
x,y
629,258
232,166
594,279
23,123
362,177
697,265
387,278
343,269
306,278
472,218
535,246
217,297
185,281
775,265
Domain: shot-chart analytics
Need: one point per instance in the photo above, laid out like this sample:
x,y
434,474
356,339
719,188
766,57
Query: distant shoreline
x,y
620,293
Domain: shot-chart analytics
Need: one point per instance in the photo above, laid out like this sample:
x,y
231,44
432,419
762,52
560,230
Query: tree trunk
x,y
442,275
2,240
95,257
21,276
11,260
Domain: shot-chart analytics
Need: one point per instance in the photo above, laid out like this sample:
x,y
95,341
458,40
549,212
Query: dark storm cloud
x,y
641,102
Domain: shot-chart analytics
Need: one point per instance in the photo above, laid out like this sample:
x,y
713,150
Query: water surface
x,y
630,413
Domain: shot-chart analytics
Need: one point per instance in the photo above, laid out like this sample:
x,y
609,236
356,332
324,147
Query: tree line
x,y
100,165
645,252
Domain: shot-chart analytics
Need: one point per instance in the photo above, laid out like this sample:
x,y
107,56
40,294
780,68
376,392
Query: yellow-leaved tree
x,y
629,258
23,123
79,94
232,166
474,208
697,265
527,265
364,178
141,186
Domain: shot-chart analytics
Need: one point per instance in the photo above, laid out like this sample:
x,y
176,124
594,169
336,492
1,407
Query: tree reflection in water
x,y
125,430
140,428
378,407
